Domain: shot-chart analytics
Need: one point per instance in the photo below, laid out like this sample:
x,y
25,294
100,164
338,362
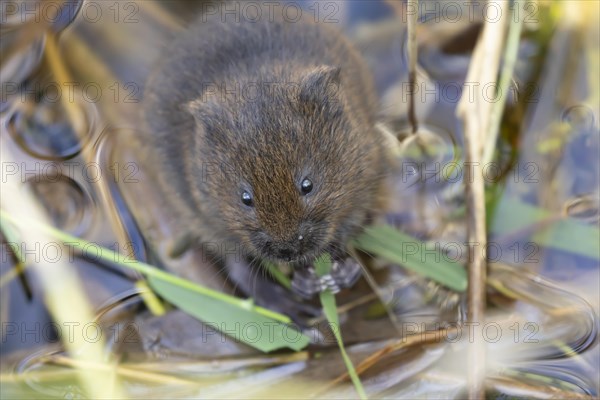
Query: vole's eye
x,y
247,199
306,186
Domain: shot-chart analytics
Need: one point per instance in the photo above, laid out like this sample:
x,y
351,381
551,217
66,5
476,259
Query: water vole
x,y
262,134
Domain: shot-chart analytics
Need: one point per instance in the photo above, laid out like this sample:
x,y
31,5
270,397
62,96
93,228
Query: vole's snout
x,y
289,248
286,252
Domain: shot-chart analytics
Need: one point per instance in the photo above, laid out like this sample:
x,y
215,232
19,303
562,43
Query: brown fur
x,y
316,121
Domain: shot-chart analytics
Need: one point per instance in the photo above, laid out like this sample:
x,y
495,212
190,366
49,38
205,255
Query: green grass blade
x,y
246,326
322,267
149,270
221,304
394,246
512,216
277,274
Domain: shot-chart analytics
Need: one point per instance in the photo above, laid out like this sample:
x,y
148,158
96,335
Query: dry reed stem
x,y
475,114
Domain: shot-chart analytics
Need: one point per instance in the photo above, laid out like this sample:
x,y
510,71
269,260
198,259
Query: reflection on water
x,y
43,129
65,201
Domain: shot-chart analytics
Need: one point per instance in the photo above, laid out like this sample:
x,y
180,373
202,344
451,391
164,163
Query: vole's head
x,y
290,170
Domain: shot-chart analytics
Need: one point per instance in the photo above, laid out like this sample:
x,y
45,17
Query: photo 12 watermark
x,y
260,11
71,92
75,170
51,12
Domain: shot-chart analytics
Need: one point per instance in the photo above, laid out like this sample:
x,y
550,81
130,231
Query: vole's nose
x,y
290,247
287,250
286,253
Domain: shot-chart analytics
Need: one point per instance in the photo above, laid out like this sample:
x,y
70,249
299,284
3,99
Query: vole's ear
x,y
196,108
320,85
204,114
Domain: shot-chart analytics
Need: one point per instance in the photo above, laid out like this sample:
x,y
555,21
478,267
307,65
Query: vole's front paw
x,y
306,283
346,272
343,274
